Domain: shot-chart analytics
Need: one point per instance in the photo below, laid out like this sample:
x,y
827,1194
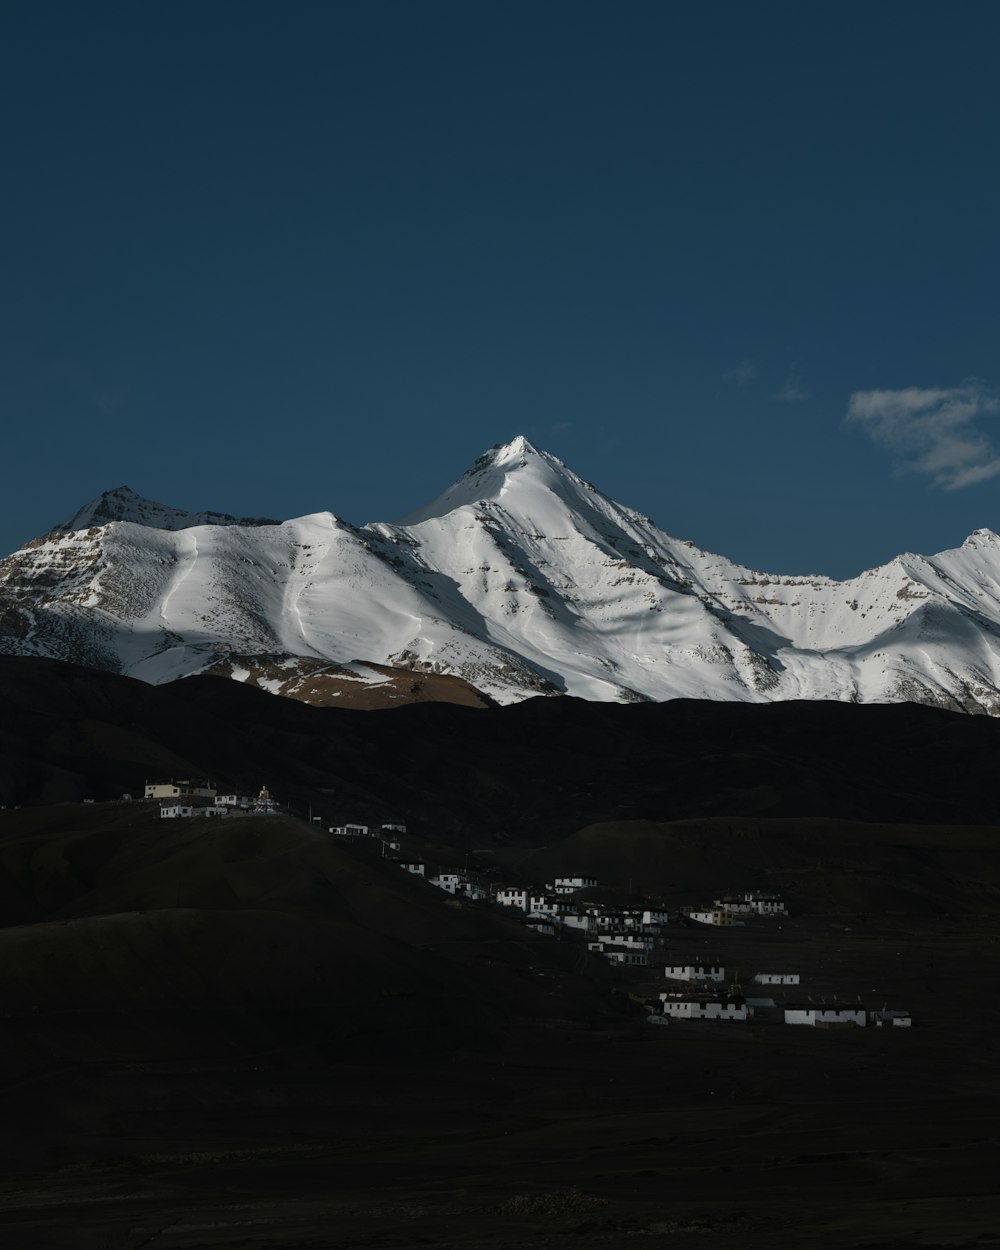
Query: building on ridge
x,y
179,790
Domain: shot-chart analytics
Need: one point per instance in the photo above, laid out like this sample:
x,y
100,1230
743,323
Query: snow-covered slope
x,y
521,578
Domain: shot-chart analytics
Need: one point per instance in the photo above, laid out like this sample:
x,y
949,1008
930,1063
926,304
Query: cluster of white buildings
x,y
387,834
702,1007
728,911
627,936
710,999
365,831
180,800
693,972
733,1006
622,935
459,883
570,885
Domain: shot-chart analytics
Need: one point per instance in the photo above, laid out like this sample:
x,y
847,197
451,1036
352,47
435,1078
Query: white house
x,y
234,800
177,811
736,906
825,1015
623,922
578,920
889,1017
619,954
546,905
621,918
655,916
178,790
716,917
415,866
693,972
390,828
350,831
569,885
776,978
511,896
632,941
453,882
766,904
698,1007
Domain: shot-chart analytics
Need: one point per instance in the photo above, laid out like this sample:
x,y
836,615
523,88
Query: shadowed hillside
x,y
245,1032
112,910
823,865
528,772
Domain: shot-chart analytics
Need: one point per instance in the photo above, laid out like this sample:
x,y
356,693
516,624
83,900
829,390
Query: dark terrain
x,y
543,767
253,1035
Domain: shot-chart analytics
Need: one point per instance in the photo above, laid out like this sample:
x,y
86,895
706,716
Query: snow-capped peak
x,y
507,474
521,578
517,447
982,538
124,504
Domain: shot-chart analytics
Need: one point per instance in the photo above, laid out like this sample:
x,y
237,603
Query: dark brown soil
x,y
321,683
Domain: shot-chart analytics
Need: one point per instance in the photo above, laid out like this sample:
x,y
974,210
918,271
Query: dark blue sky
x,y
279,258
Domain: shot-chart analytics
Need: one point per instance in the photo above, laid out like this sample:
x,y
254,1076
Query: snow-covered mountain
x,y
521,578
123,504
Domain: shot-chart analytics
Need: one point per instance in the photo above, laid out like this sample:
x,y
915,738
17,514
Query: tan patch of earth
x,y
323,683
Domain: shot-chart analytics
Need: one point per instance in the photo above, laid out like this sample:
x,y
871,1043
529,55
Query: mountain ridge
x,y
529,772
124,504
520,578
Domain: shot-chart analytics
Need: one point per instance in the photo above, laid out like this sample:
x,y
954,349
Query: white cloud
x,y
742,373
790,391
932,430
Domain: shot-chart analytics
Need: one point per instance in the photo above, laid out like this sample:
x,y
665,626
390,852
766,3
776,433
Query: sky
x,y
735,263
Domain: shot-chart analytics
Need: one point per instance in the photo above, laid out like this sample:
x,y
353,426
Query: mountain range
x,y
521,579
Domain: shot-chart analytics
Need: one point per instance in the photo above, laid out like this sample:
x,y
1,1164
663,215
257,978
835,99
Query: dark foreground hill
x,y
232,1034
244,1033
113,910
525,772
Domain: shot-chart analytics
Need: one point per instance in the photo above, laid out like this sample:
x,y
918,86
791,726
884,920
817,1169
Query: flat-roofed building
x,y
178,790
704,1007
825,1015
694,972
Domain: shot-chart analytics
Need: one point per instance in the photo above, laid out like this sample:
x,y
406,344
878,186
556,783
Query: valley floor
x,y
572,1137
530,1106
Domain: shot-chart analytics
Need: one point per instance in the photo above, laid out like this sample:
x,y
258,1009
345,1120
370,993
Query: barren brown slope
x,y
367,687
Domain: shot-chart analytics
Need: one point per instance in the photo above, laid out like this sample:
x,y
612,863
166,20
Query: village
x,y
633,938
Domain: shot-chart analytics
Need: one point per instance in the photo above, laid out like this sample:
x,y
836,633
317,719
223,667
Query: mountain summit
x,y
510,477
123,504
521,578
